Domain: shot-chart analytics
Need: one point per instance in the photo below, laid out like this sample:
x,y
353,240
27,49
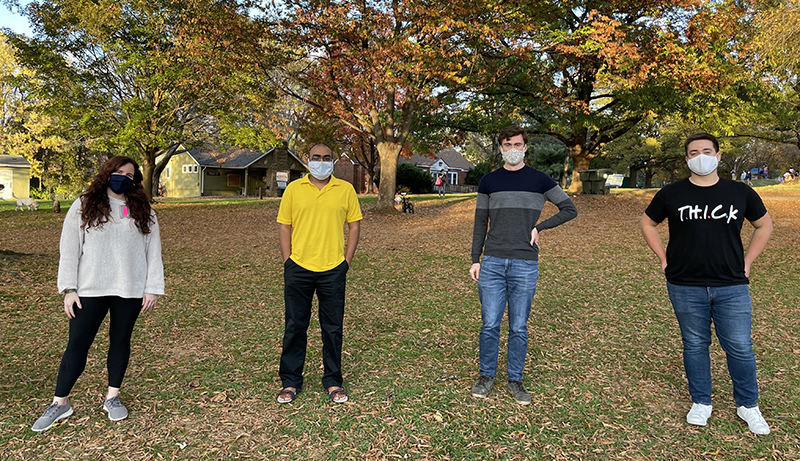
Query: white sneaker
x,y
755,422
699,414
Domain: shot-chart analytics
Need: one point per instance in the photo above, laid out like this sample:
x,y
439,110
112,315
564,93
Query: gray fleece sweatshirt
x,y
114,260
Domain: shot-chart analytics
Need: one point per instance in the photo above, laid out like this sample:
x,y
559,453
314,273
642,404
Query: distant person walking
x,y
312,213
110,262
439,183
707,274
509,204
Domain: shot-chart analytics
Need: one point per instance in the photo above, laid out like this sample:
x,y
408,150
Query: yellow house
x,y
207,170
15,177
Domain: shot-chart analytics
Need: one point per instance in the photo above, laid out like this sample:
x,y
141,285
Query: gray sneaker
x,y
54,412
482,387
521,395
115,409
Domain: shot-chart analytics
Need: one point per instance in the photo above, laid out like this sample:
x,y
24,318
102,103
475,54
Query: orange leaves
x,y
368,48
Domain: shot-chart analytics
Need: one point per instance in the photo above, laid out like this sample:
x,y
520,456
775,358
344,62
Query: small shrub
x,y
414,179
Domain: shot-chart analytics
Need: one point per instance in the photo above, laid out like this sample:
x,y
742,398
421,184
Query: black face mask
x,y
119,183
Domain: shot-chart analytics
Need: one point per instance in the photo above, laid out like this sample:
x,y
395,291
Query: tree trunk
x,y
580,161
495,158
565,173
151,170
634,173
388,153
148,168
648,178
370,164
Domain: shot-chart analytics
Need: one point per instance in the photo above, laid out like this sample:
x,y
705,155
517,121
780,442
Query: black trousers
x,y
299,287
82,330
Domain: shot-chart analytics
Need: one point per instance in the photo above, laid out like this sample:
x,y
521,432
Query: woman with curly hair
x,y
110,261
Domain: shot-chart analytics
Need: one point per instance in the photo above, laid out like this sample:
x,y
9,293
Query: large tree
x,y
27,131
771,68
591,70
376,65
139,75
777,38
15,107
756,97
317,127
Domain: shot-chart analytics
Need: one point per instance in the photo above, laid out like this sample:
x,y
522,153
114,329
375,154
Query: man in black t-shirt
x,y
707,274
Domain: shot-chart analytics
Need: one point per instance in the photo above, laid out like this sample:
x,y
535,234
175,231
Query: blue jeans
x,y
512,282
730,308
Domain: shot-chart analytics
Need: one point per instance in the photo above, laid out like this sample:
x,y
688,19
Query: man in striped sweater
x,y
510,200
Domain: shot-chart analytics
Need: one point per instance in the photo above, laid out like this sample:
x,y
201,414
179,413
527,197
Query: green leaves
x,y
138,76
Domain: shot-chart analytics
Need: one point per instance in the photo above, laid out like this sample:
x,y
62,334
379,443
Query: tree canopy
x,y
135,77
375,66
376,77
590,71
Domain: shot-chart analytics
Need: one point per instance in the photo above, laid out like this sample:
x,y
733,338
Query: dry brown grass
x,y
604,362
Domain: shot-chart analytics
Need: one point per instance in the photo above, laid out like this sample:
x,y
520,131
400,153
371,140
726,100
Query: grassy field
x,y
604,364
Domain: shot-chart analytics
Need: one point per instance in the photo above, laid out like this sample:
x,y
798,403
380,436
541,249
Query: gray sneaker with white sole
x,y
53,413
115,409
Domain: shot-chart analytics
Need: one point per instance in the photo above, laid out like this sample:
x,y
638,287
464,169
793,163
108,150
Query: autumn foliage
x,y
591,71
374,66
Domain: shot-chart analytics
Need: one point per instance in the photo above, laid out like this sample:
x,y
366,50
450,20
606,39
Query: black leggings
x,y
82,330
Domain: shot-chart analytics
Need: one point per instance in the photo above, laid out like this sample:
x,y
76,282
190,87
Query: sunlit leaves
x,y
134,76
373,66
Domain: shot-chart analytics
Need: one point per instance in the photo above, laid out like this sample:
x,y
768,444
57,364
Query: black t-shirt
x,y
705,224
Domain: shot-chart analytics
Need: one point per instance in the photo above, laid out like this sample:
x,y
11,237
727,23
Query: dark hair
x,y
511,131
698,137
95,209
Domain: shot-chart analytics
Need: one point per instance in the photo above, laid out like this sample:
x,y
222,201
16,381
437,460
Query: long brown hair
x,y
95,207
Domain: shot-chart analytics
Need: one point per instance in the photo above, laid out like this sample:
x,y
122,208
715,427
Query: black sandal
x,y
291,394
335,391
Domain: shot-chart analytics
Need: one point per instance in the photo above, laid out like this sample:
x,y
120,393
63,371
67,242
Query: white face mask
x,y
703,165
320,170
513,156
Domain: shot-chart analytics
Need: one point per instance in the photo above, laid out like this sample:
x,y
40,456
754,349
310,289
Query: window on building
x,y
234,180
189,169
167,171
454,178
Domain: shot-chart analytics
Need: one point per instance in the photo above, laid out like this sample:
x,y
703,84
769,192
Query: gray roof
x,y
450,156
14,161
236,158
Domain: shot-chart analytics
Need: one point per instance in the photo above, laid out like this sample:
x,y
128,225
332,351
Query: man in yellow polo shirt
x,y
311,216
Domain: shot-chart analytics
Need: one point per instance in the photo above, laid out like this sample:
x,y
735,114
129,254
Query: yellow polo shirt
x,y
317,217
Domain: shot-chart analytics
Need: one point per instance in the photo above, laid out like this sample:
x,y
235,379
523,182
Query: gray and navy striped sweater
x,y
509,204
